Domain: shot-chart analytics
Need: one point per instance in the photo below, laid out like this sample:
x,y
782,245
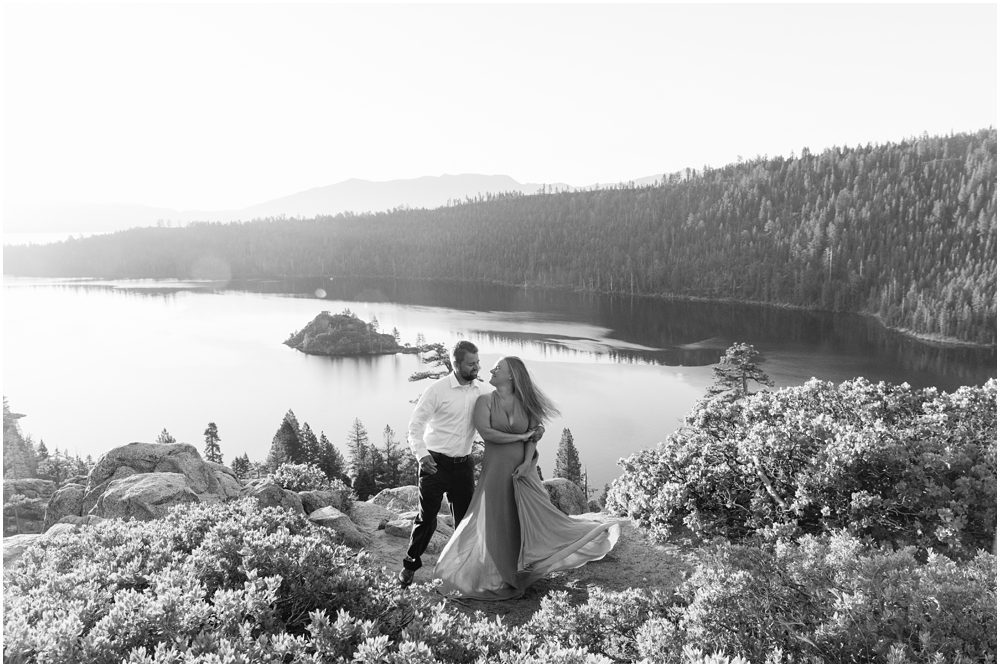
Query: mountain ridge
x,y
351,195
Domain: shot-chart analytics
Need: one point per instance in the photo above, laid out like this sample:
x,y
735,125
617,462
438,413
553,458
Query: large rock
x,y
142,457
269,494
369,517
230,487
401,528
400,499
567,496
314,500
29,487
68,500
347,532
144,496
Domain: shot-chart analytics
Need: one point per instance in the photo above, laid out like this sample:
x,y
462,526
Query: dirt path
x,y
633,563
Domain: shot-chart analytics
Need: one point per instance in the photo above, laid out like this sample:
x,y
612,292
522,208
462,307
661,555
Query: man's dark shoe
x,y
405,578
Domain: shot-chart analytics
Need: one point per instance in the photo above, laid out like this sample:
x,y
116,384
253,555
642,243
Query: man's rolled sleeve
x,y
422,414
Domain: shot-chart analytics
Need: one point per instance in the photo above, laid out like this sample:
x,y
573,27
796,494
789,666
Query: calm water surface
x,y
97,364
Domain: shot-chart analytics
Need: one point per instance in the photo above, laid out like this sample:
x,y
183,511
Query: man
x,y
440,435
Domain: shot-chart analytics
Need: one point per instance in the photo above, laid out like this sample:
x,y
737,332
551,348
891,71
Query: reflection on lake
x,y
97,364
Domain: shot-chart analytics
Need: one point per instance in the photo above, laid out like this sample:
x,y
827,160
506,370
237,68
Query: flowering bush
x,y
301,477
898,465
240,583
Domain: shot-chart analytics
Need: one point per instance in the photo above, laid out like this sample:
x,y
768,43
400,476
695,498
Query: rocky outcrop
x,y
567,496
230,486
400,499
269,494
140,457
347,532
314,500
144,496
344,335
369,517
67,501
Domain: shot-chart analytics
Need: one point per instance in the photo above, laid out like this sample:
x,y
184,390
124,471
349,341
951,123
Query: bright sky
x,y
194,106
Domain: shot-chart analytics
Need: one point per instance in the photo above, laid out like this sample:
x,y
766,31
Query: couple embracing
x,y
507,532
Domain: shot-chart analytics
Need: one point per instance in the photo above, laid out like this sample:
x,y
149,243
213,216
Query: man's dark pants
x,y
454,476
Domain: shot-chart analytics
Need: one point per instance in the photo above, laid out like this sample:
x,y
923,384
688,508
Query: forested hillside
x,y
905,231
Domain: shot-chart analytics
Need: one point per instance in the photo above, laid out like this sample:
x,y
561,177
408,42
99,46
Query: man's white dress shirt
x,y
442,420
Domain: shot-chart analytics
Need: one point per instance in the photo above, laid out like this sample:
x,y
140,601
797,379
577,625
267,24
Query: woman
x,y
512,535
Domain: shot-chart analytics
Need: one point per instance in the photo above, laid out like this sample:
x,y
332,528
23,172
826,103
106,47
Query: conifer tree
x,y
286,445
213,452
332,461
310,446
241,467
391,459
736,368
165,438
363,456
568,460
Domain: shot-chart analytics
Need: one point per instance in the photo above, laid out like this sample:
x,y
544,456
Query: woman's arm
x,y
481,418
528,465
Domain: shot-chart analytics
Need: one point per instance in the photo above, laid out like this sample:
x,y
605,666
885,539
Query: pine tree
x,y
286,445
241,467
165,438
310,446
332,461
41,452
213,452
391,460
736,368
568,460
362,459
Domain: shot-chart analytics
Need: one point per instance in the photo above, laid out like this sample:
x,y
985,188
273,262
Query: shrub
x,y
901,466
240,583
300,477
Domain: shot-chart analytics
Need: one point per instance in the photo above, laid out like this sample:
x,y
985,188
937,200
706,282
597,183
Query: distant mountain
x,y
355,195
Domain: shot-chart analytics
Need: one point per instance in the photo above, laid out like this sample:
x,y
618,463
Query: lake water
x,y
97,364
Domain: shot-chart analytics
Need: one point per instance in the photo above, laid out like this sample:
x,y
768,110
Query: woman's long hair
x,y
535,402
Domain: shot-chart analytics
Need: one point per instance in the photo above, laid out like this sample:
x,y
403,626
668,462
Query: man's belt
x,y
438,456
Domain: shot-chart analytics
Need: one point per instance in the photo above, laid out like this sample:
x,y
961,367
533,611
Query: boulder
x,y
230,487
314,500
14,547
76,479
29,487
68,500
566,496
401,528
446,519
400,499
334,519
367,517
142,457
144,496
269,494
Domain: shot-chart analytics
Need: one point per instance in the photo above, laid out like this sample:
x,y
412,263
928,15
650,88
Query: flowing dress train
x,y
512,534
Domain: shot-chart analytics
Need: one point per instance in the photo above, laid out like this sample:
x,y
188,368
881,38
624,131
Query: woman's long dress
x,y
512,534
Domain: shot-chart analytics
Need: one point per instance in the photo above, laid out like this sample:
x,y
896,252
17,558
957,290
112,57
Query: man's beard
x,y
468,376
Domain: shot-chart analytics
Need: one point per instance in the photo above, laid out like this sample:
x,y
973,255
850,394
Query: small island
x,y
345,335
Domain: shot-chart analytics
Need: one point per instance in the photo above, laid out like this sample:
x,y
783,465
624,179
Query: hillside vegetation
x,y
905,231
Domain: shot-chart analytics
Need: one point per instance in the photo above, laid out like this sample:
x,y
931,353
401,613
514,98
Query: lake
x,y
97,364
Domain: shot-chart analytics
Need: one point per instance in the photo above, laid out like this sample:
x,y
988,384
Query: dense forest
x,y
905,231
